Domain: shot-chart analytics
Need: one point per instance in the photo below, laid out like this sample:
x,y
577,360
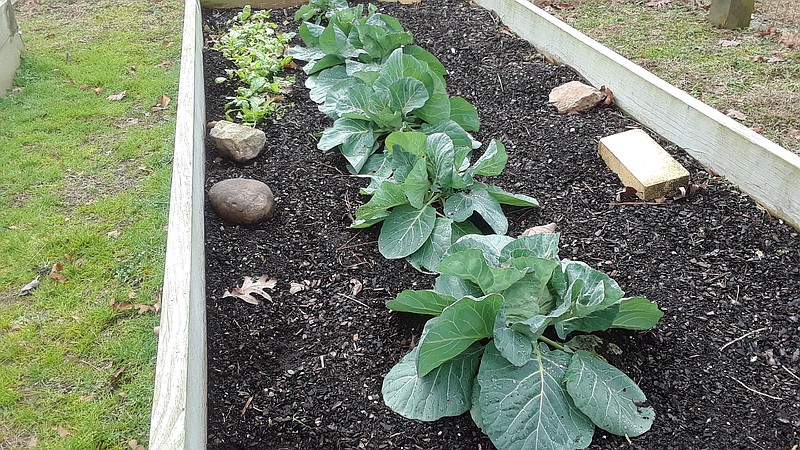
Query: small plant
x,y
317,10
486,351
427,194
259,54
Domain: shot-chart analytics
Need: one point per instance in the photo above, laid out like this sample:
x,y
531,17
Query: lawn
x,y
752,75
84,191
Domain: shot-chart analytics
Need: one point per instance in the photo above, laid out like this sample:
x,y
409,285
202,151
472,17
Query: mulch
x,y
304,370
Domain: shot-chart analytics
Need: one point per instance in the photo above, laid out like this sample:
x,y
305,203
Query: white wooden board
x,y
10,46
178,419
766,171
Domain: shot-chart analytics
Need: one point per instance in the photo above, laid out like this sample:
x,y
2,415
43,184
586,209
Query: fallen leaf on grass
x,y
549,228
791,40
114,234
609,95
768,31
99,90
157,330
62,432
165,63
736,114
250,287
135,445
28,288
117,97
658,3
775,59
167,43
55,272
794,132
161,103
729,43
33,442
129,306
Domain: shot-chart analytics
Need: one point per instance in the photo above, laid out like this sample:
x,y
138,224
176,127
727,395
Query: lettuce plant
x,y
485,350
259,54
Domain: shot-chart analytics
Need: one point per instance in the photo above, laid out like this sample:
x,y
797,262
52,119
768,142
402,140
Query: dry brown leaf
x,y
165,63
99,90
549,228
357,286
28,288
62,432
167,43
250,287
55,272
161,103
135,445
157,305
736,114
15,327
292,65
114,234
790,40
83,87
768,31
625,194
117,97
729,43
609,95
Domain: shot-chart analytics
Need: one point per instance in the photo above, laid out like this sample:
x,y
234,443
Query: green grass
x,y
84,182
677,43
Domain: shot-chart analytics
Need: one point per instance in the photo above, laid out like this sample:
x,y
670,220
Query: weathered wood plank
x,y
178,418
10,46
766,171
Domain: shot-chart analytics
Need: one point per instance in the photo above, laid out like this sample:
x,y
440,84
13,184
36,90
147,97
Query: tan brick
x,y
642,164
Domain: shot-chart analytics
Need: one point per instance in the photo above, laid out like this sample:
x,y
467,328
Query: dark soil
x,y
304,371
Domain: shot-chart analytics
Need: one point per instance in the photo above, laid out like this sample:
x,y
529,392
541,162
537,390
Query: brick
x,y
642,164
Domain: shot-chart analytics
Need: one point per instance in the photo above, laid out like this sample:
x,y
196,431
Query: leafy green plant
x,y
316,11
259,54
485,350
425,194
349,35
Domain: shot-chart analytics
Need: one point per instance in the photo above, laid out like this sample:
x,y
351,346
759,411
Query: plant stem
x,y
552,343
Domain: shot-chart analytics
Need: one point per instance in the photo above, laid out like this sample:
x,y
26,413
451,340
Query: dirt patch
x,y
304,370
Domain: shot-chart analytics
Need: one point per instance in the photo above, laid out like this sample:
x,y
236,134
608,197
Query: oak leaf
x,y
250,287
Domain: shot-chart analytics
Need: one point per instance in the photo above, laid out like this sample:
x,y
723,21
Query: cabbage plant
x,y
497,346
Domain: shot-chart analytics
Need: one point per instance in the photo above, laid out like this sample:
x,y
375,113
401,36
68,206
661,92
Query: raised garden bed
x,y
304,371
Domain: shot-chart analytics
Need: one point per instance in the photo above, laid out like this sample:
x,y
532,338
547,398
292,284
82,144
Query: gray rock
x,y
242,201
238,142
575,97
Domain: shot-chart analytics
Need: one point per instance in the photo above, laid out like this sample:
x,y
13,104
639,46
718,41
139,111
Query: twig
x,y
755,391
742,337
790,372
345,247
247,405
350,240
353,299
502,89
